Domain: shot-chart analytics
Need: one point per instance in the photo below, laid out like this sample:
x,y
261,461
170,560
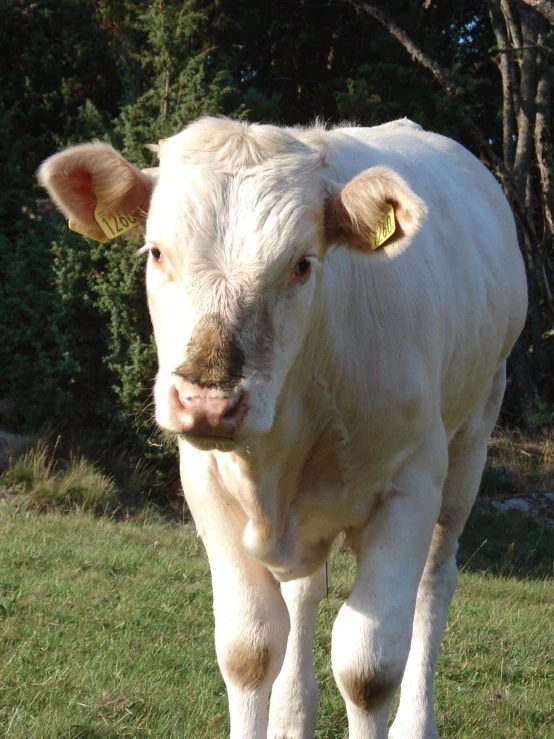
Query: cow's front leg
x,y
371,636
251,617
251,628
295,695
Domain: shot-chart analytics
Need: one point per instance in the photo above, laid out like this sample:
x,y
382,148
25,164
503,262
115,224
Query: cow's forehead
x,y
232,145
256,216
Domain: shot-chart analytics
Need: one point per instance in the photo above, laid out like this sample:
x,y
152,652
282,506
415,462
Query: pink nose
x,y
201,411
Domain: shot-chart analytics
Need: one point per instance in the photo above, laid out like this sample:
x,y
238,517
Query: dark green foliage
x,y
130,357
51,340
54,58
74,333
76,351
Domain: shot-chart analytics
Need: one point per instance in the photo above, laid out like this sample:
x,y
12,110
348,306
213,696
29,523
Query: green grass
x,y
106,631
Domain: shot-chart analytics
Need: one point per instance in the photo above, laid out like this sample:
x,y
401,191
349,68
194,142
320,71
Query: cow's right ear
x,y
84,177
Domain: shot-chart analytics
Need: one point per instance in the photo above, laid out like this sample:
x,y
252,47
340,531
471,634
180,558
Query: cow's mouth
x,y
211,443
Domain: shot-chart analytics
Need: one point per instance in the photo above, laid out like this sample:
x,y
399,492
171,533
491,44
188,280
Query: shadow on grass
x,y
84,732
507,545
87,732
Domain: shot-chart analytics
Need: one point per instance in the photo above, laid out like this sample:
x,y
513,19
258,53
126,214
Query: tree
x,y
76,336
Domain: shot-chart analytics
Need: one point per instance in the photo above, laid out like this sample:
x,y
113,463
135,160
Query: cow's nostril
x,y
236,407
179,400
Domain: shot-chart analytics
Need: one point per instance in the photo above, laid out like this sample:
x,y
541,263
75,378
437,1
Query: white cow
x,y
333,311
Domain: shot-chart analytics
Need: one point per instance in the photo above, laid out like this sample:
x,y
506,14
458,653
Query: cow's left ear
x,y
373,211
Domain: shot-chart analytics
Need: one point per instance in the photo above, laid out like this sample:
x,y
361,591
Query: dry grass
x,y
47,484
52,476
518,465
58,475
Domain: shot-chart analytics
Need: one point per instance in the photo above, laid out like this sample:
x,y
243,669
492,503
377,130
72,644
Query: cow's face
x,y
238,220
233,268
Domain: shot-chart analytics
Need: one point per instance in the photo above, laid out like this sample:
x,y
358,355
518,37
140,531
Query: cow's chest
x,y
330,497
301,503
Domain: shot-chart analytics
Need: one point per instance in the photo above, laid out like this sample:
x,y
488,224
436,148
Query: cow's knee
x,y
369,658
369,688
246,664
250,652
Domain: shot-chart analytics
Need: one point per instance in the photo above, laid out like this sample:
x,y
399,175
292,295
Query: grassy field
x,y
106,631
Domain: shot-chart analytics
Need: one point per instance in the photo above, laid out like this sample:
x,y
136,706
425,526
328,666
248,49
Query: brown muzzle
x,y
205,397
214,358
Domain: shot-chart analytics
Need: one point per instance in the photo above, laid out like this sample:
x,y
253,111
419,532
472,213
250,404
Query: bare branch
x,y
416,53
515,49
511,23
545,7
452,90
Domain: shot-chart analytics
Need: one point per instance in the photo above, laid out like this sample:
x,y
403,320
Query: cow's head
x,y
237,222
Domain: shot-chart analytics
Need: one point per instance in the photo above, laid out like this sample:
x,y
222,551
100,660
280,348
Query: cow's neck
x,y
265,478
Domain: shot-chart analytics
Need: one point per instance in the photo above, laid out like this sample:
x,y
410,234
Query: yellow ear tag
x,y
115,224
384,230
73,227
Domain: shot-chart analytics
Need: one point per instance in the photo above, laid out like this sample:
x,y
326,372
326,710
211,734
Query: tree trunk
x,y
527,94
508,75
543,139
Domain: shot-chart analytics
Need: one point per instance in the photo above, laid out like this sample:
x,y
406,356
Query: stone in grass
x,y
12,446
537,506
518,504
514,504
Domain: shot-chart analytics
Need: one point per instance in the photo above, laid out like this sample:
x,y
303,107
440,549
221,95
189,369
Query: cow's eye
x,y
156,254
303,267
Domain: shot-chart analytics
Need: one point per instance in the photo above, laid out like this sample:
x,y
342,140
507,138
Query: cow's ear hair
x,y
80,178
359,214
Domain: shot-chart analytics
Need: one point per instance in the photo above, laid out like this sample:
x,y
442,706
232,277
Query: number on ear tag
x,y
115,224
112,225
384,230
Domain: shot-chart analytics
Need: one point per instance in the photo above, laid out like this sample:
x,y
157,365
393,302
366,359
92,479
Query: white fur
x,y
380,380
377,363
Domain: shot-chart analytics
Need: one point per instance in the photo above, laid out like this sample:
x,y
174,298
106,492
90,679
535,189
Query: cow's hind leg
x,y
295,695
467,456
